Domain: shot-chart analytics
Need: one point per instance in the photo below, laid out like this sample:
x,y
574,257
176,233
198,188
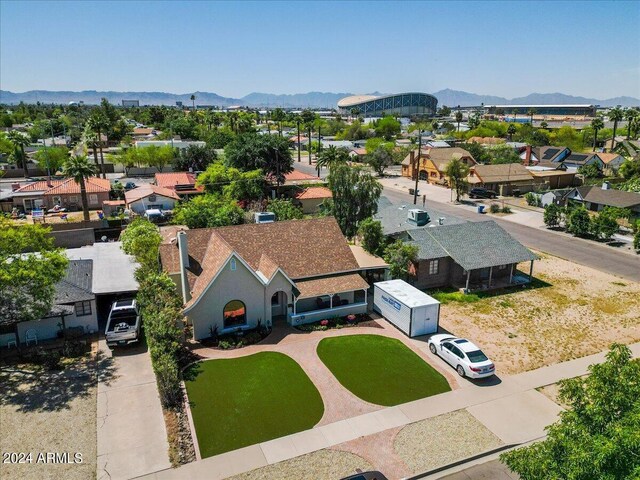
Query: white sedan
x,y
461,354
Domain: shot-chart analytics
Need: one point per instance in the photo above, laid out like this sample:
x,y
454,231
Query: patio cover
x,y
330,285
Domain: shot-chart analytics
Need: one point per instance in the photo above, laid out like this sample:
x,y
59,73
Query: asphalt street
x,y
584,252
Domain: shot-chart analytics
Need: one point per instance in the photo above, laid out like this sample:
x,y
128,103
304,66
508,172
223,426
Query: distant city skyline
x,y
508,49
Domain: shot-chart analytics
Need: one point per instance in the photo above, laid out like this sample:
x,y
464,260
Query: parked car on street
x,y
372,475
123,324
480,192
461,354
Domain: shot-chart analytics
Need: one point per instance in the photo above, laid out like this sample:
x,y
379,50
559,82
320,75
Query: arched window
x,y
235,314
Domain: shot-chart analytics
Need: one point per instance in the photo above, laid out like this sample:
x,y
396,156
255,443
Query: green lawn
x,y
242,401
379,369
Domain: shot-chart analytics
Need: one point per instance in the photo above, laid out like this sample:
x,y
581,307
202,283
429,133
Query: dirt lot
x,y
49,412
573,312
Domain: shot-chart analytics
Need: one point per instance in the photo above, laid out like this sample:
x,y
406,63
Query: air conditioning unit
x,y
419,217
265,217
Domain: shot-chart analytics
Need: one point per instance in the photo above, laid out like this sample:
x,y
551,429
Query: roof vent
x,y
419,217
606,186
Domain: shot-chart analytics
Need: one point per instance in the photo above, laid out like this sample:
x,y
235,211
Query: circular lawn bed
x,y
242,401
379,369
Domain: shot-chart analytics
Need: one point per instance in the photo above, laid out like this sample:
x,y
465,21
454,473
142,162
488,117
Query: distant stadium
x,y
401,104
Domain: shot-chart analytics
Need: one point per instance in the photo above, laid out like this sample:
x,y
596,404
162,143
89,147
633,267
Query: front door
x,y
279,304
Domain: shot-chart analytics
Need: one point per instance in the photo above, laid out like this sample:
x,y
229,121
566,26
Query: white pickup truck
x,y
123,325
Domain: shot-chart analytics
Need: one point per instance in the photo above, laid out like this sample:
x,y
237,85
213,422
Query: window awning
x,y
330,285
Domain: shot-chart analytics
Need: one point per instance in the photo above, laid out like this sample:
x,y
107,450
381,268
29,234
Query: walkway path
x,y
132,438
513,410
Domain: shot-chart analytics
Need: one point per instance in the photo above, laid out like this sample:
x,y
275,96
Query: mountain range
x,y
451,98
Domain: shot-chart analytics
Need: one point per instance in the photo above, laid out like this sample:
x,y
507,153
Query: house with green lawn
x,y
234,278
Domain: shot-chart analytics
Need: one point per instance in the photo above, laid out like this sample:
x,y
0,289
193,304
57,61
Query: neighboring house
x,y
358,154
148,196
504,179
536,155
557,197
433,163
182,183
553,178
611,161
437,144
232,278
470,255
304,141
396,220
311,198
296,177
575,161
595,198
66,193
74,306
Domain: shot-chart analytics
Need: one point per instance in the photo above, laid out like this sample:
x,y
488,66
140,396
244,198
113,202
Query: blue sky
x,y
235,48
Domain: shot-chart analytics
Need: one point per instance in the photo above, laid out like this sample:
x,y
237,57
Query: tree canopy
x,y
457,172
208,210
270,153
233,183
31,267
355,197
194,158
598,436
400,256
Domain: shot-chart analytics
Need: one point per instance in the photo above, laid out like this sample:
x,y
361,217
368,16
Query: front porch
x,y
483,280
324,298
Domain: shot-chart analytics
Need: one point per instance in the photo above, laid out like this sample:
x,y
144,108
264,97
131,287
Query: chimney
x,y
527,156
606,186
184,265
15,186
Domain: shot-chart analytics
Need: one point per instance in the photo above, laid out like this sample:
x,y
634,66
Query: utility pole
x,y
416,166
299,146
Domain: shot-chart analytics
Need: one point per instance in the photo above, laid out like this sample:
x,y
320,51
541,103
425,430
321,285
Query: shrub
x,y
74,349
226,344
494,208
551,215
324,323
167,373
506,209
533,199
49,359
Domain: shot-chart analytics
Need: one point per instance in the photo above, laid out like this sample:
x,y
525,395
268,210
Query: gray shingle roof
x,y
471,245
394,217
76,285
609,197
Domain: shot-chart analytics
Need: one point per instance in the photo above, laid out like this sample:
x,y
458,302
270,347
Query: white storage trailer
x,y
410,310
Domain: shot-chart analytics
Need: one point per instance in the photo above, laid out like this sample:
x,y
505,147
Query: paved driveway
x,y
132,438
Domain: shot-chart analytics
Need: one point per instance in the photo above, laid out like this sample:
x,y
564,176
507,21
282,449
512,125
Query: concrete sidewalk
x,y
132,438
513,410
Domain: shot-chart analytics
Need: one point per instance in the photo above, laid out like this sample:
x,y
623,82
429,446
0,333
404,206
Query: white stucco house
x,y
148,196
74,306
231,278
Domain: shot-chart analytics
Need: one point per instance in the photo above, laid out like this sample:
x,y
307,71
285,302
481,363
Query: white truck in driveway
x,y
413,312
123,325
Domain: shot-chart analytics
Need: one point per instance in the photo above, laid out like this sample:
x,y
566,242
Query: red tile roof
x,y
69,186
314,192
146,190
297,175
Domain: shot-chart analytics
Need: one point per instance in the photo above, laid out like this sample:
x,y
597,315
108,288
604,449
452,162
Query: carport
x,y
113,274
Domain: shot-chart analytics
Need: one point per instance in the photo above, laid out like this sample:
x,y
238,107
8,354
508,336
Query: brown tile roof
x,y
486,140
113,203
69,186
329,285
264,247
146,190
142,131
508,172
38,186
314,192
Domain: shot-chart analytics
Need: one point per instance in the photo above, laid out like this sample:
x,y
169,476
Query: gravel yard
x,y
320,465
441,440
574,311
49,412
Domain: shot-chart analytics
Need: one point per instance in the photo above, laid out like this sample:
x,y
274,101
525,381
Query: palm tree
x,y
91,140
629,115
79,168
531,112
298,120
330,157
193,101
99,123
596,124
511,130
458,119
278,116
615,115
20,141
